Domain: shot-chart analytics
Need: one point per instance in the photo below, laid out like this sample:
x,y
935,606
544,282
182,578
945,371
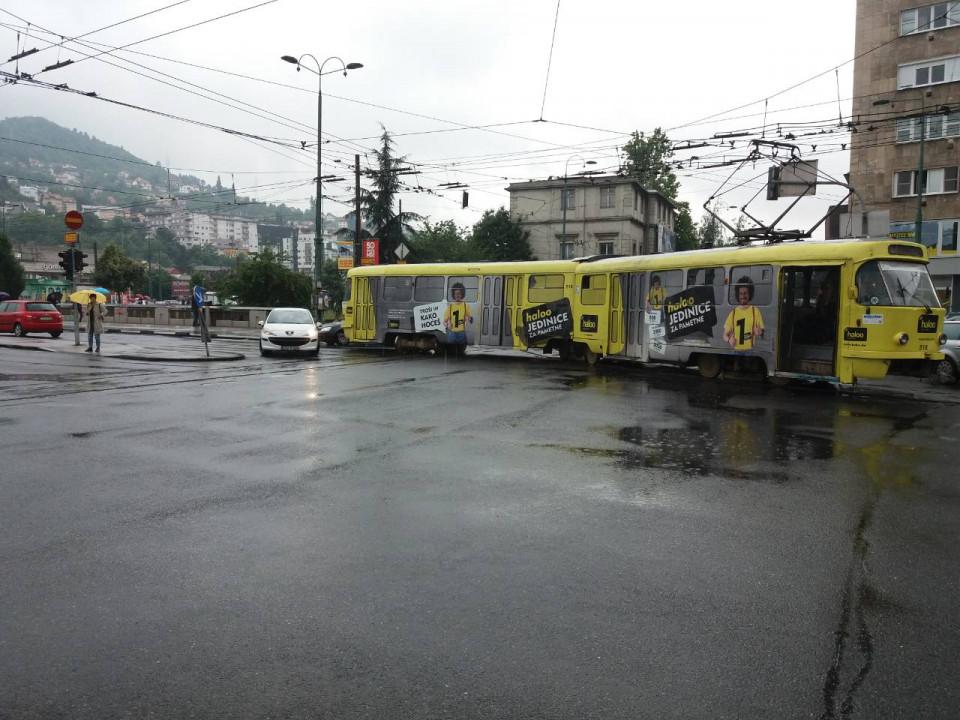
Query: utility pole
x,y
356,237
918,230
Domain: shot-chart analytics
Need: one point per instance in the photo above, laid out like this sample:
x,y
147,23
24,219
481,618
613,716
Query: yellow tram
x,y
835,311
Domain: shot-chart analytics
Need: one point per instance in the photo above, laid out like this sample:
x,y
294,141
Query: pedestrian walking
x,y
95,315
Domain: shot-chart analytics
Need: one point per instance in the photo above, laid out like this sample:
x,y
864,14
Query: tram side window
x,y
428,289
544,288
397,289
593,289
709,277
470,284
663,284
756,281
347,287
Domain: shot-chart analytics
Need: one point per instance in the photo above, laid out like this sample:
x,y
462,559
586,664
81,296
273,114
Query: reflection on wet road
x,y
362,535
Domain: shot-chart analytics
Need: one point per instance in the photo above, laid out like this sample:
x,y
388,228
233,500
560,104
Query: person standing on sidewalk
x,y
95,315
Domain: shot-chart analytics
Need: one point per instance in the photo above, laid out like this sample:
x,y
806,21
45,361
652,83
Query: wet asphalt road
x,y
370,536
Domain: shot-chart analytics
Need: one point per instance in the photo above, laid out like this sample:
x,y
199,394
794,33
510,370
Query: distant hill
x,y
71,162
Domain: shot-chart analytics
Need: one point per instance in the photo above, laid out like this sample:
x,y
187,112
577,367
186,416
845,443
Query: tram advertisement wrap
x,y
554,319
429,318
689,311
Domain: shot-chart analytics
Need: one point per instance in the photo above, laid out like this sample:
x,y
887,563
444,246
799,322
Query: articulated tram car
x,y
836,311
428,307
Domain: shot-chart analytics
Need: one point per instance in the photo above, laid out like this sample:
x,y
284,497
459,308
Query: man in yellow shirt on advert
x,y
456,316
744,325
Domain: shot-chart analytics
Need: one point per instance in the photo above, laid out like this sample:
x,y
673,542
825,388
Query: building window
x,y
939,235
943,70
938,126
568,199
929,17
607,243
608,197
566,250
937,181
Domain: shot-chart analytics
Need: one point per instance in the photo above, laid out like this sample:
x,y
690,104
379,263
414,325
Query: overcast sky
x,y
431,66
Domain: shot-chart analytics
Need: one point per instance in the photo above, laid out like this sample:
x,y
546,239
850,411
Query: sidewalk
x,y
126,345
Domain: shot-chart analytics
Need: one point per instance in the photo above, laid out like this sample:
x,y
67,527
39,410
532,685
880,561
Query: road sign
x,y
73,220
71,238
198,295
402,251
344,263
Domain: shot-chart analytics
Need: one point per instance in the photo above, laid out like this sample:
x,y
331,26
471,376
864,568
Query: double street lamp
x,y
563,198
318,218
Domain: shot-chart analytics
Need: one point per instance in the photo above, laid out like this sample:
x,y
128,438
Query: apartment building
x,y
905,155
603,215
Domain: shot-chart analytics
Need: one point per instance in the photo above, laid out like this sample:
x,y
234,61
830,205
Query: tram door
x,y
364,319
633,312
497,309
615,330
809,310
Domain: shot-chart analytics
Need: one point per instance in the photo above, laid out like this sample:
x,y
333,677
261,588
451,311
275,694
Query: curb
x,y
26,347
228,357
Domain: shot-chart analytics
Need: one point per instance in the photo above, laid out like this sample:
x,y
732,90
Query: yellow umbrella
x,y
83,297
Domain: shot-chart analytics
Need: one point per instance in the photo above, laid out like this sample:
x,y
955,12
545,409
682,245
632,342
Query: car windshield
x,y
41,307
290,317
883,282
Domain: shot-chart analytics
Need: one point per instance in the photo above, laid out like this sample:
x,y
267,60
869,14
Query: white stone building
x,y
580,216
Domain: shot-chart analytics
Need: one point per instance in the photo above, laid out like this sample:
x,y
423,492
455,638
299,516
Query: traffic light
x,y
78,259
66,262
465,201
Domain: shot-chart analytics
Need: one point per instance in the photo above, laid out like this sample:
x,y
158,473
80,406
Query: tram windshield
x,y
885,282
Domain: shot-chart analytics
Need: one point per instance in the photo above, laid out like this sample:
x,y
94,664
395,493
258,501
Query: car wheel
x,y
18,330
56,333
342,339
946,371
316,350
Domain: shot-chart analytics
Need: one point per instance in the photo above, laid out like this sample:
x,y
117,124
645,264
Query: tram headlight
x,y
942,339
902,338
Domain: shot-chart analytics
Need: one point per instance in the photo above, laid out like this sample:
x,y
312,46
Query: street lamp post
x,y
918,221
318,216
563,197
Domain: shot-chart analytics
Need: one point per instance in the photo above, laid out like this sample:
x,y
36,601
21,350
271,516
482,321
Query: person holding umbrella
x,y
95,316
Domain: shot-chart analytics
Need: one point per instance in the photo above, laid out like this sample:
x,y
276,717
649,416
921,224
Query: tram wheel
x,y
708,366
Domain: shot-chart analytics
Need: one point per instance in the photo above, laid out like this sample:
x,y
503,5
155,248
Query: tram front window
x,y
884,282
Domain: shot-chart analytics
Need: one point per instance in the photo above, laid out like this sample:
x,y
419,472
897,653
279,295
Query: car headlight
x,y
325,329
268,333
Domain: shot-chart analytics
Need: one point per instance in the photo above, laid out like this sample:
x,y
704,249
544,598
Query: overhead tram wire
x,y
809,79
284,121
101,29
175,30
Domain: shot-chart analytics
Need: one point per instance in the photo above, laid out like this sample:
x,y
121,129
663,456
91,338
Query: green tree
x,y
710,231
378,203
496,236
117,272
440,242
331,280
261,281
11,271
685,229
648,161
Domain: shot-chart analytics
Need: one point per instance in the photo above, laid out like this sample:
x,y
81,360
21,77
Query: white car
x,y
289,330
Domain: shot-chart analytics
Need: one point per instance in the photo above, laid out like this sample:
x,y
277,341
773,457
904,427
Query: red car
x,y
26,316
